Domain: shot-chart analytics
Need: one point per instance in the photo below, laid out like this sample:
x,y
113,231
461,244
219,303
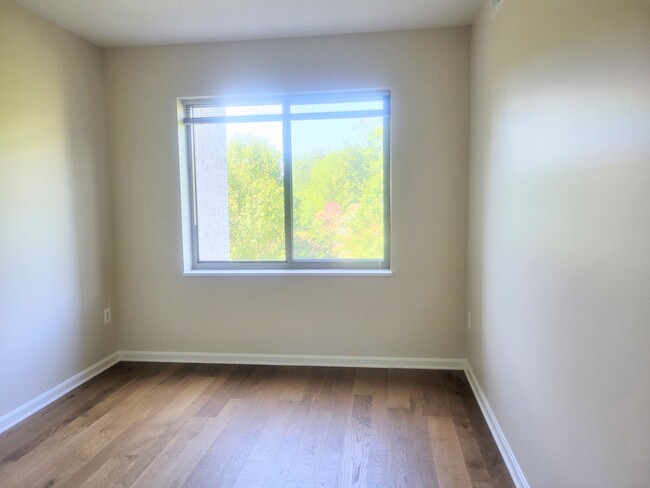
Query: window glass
x,y
239,191
338,188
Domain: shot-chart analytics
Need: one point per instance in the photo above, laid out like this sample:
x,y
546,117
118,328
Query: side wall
x,y
55,214
419,312
560,236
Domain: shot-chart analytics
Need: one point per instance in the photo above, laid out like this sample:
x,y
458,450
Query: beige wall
x,y
560,236
419,312
55,238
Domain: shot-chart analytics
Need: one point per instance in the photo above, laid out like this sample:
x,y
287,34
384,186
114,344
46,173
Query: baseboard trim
x,y
293,360
506,452
31,407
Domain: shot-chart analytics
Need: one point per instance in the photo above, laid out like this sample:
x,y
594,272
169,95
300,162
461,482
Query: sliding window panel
x,y
239,191
338,188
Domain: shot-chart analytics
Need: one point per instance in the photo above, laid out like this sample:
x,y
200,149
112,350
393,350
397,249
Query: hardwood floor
x,y
196,425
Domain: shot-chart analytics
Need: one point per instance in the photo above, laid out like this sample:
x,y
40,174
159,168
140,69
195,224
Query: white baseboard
x,y
293,360
506,452
21,413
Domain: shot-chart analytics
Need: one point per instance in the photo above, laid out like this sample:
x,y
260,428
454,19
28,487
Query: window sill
x,y
288,272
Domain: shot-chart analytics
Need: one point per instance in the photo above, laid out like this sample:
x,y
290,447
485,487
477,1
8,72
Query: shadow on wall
x,y
560,232
55,265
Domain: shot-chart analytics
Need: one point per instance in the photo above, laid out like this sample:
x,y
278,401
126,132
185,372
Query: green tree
x,y
338,201
255,200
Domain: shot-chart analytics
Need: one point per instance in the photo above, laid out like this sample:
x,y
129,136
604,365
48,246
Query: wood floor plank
x,y
279,471
326,396
401,464
131,473
302,380
489,451
243,430
482,484
379,464
450,464
126,449
237,460
83,462
328,469
177,460
380,427
436,398
354,464
310,450
270,440
342,408
398,392
297,484
45,423
253,474
70,444
21,439
233,387
427,473
198,425
467,437
214,461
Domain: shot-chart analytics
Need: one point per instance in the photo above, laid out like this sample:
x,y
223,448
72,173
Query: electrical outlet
x,y
469,320
107,315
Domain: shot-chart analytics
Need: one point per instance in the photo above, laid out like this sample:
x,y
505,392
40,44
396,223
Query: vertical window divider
x,y
387,181
288,190
193,206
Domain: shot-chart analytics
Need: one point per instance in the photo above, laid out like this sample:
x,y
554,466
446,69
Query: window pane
x,y
239,191
338,188
311,108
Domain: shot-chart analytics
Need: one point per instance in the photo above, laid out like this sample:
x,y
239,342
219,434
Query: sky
x,y
307,135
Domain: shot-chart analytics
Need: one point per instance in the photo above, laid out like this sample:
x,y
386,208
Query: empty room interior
x,y
325,243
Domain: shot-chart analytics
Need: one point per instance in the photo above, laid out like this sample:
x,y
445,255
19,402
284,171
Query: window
x,y
287,182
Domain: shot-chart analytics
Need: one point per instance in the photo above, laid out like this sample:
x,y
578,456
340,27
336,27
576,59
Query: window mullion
x,y
288,193
387,189
189,131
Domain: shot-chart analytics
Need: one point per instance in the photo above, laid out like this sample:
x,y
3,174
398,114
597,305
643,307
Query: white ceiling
x,y
144,22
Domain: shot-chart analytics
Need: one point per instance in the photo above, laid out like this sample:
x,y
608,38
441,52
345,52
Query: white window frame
x,y
193,266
